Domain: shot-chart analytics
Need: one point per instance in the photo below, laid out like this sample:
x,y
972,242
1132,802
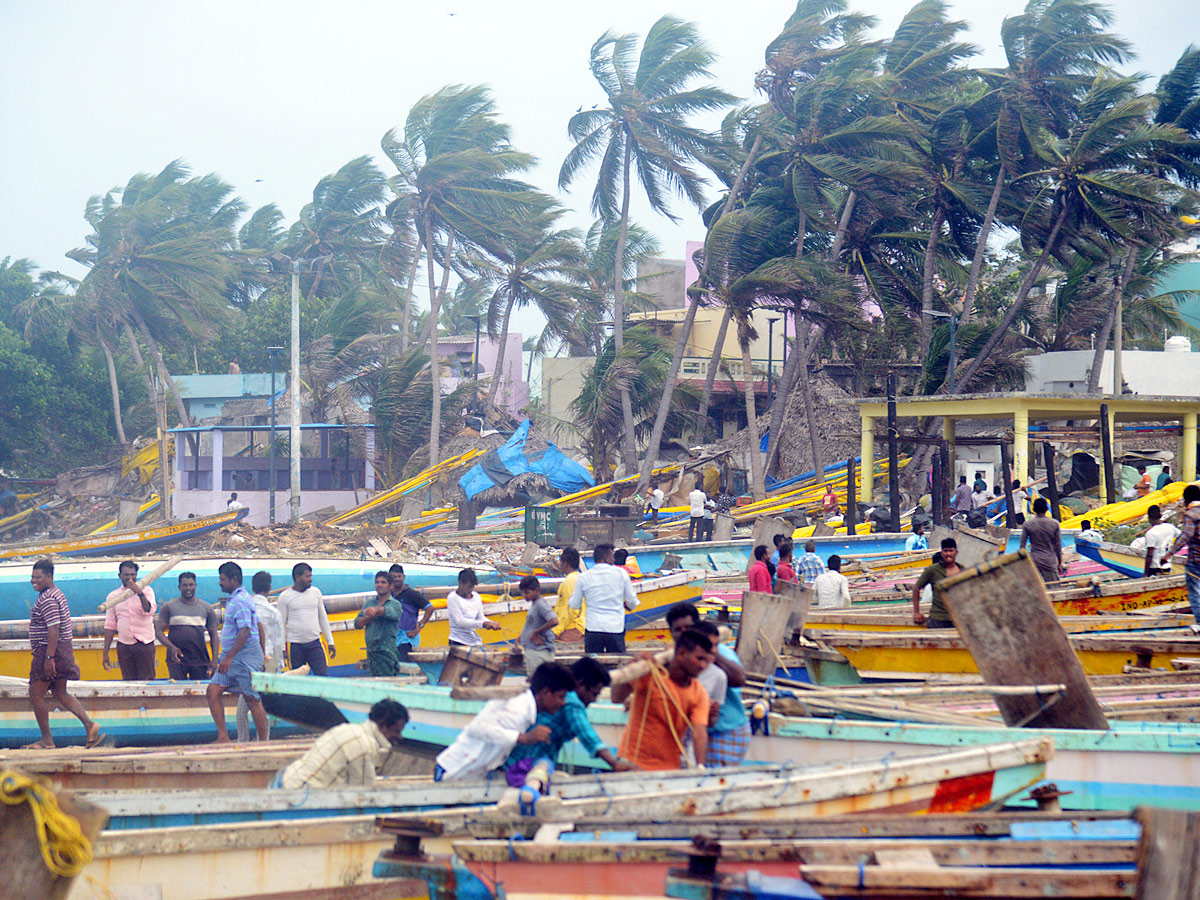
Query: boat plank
x,y
1169,854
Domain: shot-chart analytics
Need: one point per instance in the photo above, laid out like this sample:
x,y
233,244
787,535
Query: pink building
x,y
456,352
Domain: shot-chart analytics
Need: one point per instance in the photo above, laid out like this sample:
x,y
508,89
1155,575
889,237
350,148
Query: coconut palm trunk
x,y
628,439
1110,318
685,333
714,363
406,312
787,377
985,232
435,369
928,272
115,388
756,468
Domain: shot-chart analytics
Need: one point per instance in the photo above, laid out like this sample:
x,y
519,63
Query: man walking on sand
x,y
241,654
53,662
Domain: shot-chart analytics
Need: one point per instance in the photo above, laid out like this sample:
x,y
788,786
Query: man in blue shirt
x,y
917,540
571,722
412,603
241,654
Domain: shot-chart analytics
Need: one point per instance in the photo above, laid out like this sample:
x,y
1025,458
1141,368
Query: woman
x,y
465,609
760,575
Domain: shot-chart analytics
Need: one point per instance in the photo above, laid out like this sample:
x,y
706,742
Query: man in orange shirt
x,y
1143,485
665,705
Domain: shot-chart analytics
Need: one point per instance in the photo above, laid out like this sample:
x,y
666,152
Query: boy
x,y
503,724
537,637
380,619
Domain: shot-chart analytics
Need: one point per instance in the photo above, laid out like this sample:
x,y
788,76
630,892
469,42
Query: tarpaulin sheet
x,y
500,466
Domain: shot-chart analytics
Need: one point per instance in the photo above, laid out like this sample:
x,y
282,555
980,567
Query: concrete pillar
x,y
1187,448
180,441
218,469
1021,446
369,474
948,436
867,453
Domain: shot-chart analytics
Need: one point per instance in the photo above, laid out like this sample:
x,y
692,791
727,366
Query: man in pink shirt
x,y
131,622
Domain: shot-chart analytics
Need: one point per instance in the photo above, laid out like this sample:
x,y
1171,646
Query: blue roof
x,y
228,387
280,426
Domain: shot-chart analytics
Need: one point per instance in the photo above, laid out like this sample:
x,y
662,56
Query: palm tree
x,y
160,260
1100,185
586,336
456,169
645,128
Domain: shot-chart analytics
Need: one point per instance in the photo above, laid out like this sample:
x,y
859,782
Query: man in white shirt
x,y
696,500
657,497
609,593
464,609
347,755
832,588
234,503
1159,537
1088,534
270,626
502,724
978,498
302,610
917,540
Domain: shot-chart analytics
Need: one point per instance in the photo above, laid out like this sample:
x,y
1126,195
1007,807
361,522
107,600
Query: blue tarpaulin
x,y
500,466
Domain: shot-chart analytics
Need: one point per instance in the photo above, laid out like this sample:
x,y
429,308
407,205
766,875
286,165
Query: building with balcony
x,y
457,351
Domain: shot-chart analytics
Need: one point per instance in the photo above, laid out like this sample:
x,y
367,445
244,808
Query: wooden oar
x,y
142,583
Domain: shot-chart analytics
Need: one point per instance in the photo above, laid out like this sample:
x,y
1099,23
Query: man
x,y
728,726
570,621
1189,537
1088,534
666,706
1164,478
503,724
1143,483
537,637
241,654
1159,537
53,663
917,540
829,503
181,627
980,484
696,500
8,501
810,565
657,498
464,612
379,619
347,755
270,630
608,592
777,540
302,609
979,499
131,622
1044,537
570,722
961,501
943,567
234,503
413,606
831,590
684,617
1020,497
710,519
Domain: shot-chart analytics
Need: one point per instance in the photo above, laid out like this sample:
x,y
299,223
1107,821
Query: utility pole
x,y
771,358
294,387
893,455
274,354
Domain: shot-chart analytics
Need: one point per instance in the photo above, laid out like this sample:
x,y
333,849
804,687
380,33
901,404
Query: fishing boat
x,y
942,651
130,713
1122,558
896,620
973,853
506,608
126,543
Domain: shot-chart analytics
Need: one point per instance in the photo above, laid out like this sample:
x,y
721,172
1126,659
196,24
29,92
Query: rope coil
x,y
65,848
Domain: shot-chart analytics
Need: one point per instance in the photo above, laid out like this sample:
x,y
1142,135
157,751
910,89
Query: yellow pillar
x,y
867,452
1187,448
1021,446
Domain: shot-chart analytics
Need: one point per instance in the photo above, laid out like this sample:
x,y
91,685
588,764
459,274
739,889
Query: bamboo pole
x,y
147,579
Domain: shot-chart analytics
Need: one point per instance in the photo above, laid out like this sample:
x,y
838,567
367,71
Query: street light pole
x,y
475,363
294,386
274,354
771,358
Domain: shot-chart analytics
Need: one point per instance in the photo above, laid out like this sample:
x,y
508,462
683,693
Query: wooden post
x,y
1051,481
1010,515
893,456
947,486
1106,472
25,874
851,498
765,622
1168,854
935,491
1005,618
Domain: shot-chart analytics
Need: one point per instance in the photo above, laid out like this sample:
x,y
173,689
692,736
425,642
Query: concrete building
x,y
206,396
663,281
456,352
562,380
1173,372
212,461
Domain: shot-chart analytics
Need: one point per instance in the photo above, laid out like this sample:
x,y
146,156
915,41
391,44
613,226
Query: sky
x,y
273,95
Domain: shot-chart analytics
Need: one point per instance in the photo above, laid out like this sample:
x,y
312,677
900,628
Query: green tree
x,y
645,128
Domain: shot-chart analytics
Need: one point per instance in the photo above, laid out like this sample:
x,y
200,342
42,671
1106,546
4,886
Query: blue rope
x,y
512,854
861,873
303,801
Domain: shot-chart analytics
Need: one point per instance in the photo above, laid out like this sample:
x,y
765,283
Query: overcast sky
x,y
272,95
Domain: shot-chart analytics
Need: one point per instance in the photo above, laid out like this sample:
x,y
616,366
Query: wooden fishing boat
x,y
889,620
126,543
1049,857
1122,558
129,713
942,651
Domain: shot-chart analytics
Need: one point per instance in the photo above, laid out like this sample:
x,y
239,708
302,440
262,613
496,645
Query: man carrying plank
x,y
131,622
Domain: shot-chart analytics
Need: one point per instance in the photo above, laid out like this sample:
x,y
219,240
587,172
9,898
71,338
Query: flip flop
x,y
96,741
38,745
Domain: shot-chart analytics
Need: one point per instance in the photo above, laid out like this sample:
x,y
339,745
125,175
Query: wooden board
x,y
1168,854
25,874
1006,620
974,546
765,529
765,619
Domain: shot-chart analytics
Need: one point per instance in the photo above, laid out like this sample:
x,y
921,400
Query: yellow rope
x,y
65,848
657,680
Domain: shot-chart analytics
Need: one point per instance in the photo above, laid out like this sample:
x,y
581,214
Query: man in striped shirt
x,y
347,755
53,662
